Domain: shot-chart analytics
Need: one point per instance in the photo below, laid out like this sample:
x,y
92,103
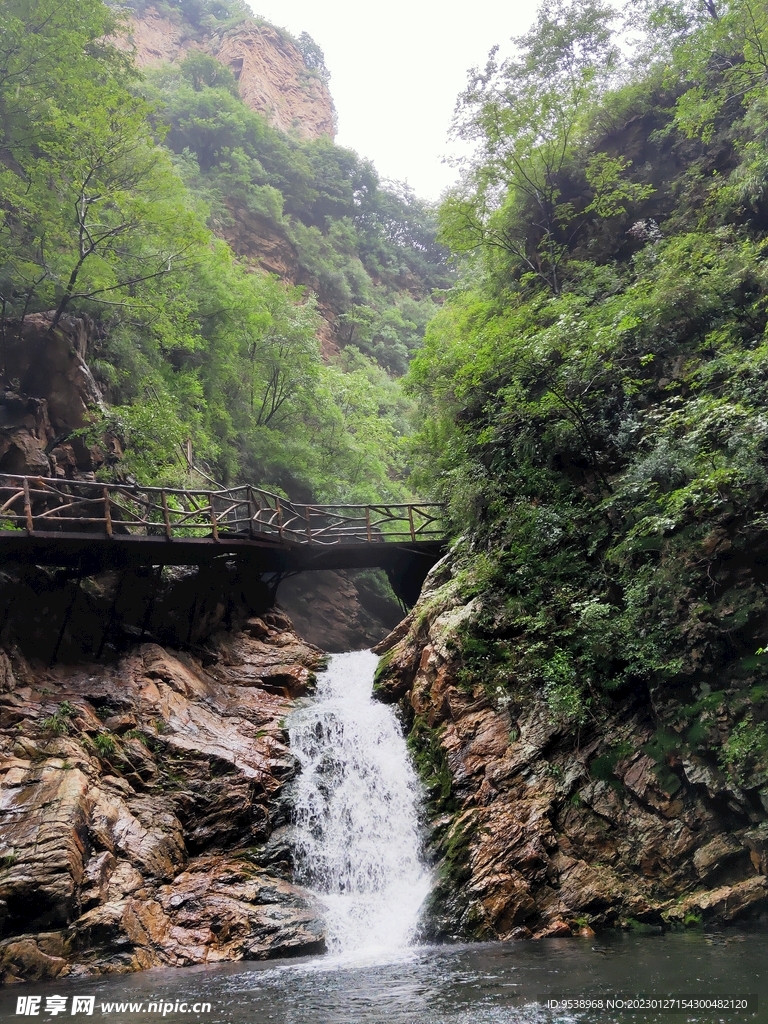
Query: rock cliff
x,y
46,393
544,828
338,611
273,80
270,70
140,807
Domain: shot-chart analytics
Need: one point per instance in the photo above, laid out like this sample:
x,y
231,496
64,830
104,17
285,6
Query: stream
x,y
357,838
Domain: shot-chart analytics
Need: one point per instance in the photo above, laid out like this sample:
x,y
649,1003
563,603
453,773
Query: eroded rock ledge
x,y
541,829
141,809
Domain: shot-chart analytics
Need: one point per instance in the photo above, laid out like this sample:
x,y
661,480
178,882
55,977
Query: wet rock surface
x,y
46,392
136,802
338,611
543,829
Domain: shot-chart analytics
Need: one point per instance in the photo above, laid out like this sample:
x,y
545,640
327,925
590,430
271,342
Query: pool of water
x,y
493,983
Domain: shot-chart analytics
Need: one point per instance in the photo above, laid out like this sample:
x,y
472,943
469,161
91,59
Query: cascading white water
x,y
357,811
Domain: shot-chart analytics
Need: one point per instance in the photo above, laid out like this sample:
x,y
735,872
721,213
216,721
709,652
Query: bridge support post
x,y
214,521
151,606
9,603
251,511
166,516
192,614
67,615
111,616
107,513
28,507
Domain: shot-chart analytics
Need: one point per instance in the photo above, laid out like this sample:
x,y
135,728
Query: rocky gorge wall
x,y
141,807
270,71
144,762
543,828
46,393
339,610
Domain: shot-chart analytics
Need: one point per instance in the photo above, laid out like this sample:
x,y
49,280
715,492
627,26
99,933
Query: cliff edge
x,y
270,70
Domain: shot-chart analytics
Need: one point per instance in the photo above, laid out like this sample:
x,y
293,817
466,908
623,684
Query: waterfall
x,y
356,811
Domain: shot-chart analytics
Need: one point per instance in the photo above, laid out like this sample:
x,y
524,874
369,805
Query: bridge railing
x,y
51,505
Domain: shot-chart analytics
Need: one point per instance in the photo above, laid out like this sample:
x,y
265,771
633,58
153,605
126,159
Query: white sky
x,y
397,67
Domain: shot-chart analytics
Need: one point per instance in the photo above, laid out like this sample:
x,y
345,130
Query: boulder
x,y
724,904
708,859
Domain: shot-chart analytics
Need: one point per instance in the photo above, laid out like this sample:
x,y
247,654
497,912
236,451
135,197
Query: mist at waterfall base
x,y
356,812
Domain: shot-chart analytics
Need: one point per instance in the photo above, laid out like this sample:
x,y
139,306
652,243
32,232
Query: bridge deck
x,y
95,552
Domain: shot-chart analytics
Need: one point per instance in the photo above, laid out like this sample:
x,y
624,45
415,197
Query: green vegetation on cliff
x,y
593,390
99,217
370,250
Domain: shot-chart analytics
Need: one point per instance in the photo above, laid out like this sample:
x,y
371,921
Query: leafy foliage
x,y
592,391
110,192
60,722
363,243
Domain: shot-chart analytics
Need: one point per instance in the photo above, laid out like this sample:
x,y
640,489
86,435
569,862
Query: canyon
x,y
590,773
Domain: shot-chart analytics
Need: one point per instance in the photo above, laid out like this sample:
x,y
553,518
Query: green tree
x,y
528,116
90,206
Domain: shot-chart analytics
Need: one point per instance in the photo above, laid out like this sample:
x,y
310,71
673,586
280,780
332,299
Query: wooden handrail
x,y
48,505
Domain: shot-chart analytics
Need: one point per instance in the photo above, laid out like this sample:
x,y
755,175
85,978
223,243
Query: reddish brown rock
x,y
136,801
49,363
270,70
726,903
47,389
339,611
24,959
710,858
555,827
557,929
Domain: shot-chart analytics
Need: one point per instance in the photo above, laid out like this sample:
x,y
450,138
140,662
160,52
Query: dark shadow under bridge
x,y
97,526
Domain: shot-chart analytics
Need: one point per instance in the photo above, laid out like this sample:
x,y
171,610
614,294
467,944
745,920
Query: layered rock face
x,y
543,828
47,392
338,611
141,808
270,70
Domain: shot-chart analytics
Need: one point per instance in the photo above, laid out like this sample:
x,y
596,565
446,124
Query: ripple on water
x,y
468,984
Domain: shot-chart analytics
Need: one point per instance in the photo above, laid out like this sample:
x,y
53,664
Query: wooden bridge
x,y
95,526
